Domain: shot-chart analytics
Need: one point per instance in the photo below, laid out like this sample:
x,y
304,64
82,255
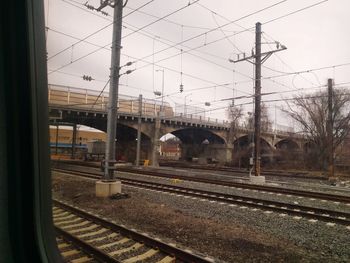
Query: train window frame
x,y
26,225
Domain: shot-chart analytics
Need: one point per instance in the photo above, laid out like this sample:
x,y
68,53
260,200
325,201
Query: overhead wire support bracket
x,y
265,54
259,58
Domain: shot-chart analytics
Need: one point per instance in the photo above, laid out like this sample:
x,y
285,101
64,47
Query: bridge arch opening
x,y
126,137
62,139
199,145
287,153
170,148
243,151
287,144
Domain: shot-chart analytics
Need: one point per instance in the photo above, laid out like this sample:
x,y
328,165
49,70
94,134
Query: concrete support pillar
x,y
229,152
155,143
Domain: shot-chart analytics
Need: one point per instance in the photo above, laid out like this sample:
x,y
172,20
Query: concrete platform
x,y
257,179
108,188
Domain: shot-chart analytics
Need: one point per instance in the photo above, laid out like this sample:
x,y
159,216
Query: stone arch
x,y
198,143
243,147
126,136
309,147
245,141
197,136
287,144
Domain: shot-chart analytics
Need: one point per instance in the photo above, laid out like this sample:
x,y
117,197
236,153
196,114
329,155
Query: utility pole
x,y
330,131
108,185
138,146
259,59
257,119
162,94
113,89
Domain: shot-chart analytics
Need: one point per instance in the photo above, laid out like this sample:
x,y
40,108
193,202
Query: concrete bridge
x,y
201,137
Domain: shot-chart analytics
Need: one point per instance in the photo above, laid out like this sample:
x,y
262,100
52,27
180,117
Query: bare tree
x,y
266,123
311,112
234,114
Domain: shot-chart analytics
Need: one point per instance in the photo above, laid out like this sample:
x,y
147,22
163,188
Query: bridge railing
x,y
91,100
200,119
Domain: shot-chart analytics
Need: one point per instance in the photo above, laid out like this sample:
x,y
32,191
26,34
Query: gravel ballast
x,y
228,233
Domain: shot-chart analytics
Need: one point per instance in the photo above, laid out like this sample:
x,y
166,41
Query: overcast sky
x,y
315,37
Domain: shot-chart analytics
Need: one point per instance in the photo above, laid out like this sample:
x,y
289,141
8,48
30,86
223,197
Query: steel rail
x,y
96,253
267,188
239,171
295,192
178,253
281,207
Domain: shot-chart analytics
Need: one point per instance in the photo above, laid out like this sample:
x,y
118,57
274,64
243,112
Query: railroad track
x,y
301,175
312,213
84,237
263,188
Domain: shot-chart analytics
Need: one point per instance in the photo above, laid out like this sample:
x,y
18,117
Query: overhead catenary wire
x,y
104,81
284,63
209,31
227,84
275,54
258,11
175,23
139,31
164,67
97,31
263,101
147,25
94,51
250,14
338,85
294,12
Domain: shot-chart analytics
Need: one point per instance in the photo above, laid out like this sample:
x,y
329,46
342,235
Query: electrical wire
x,y
99,95
248,15
294,12
227,38
94,51
263,101
209,31
213,12
281,60
164,67
99,30
223,26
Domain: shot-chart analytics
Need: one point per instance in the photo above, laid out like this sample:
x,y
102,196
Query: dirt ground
x,y
236,242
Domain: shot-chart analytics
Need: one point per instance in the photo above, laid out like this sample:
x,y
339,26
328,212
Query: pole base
x,y
108,188
333,180
257,179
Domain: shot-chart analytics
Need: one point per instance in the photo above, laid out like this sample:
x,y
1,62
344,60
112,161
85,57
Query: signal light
x,y
89,6
87,78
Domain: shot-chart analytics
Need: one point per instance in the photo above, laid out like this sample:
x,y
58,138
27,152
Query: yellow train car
x,y
61,140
